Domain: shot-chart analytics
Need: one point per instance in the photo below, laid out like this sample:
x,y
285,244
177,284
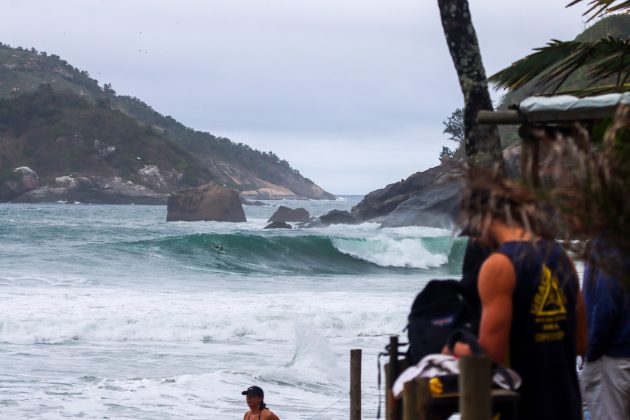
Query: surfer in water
x,y
218,247
257,408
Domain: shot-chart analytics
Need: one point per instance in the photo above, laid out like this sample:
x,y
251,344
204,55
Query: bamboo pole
x,y
355,384
474,388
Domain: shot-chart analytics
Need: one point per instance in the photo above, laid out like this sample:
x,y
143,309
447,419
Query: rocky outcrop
x,y
429,198
278,225
435,206
158,180
286,214
269,192
208,202
338,217
94,190
384,201
18,181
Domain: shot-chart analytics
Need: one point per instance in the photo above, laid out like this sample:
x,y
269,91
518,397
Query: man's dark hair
x,y
490,198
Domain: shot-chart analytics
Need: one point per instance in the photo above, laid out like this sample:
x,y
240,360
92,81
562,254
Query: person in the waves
x,y
257,408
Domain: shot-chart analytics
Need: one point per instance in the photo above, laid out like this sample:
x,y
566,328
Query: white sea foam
x,y
390,252
54,316
93,329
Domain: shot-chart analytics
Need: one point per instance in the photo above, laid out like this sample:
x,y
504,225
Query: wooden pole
x,y
410,403
355,384
392,405
474,388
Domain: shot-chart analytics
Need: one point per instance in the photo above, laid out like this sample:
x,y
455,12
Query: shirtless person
x,y
257,407
533,314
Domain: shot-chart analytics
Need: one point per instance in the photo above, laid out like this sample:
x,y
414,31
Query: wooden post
x,y
392,405
355,384
475,381
422,399
410,403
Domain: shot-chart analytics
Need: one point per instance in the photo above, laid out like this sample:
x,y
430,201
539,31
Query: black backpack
x,y
440,309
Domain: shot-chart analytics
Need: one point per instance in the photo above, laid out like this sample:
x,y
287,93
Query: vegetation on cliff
x,y
201,157
59,133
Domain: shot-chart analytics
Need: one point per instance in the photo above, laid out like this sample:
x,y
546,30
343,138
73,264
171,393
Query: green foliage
x,y
25,70
599,8
552,66
60,132
446,154
454,126
8,175
617,26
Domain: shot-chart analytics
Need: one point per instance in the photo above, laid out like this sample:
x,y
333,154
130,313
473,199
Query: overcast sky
x,y
351,92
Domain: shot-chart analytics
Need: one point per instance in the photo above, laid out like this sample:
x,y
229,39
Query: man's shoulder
x,y
497,274
497,261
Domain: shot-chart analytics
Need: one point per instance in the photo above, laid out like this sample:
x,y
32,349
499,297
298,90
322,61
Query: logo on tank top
x,y
549,308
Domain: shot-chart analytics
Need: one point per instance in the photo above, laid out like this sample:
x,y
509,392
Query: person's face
x,y
253,401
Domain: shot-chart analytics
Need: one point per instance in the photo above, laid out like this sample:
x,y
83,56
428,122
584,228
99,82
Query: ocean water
x,y
110,312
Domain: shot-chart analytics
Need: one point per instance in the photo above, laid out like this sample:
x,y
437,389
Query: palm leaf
x,y
551,66
601,7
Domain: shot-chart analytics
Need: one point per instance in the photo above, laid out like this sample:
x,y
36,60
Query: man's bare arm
x,y
496,285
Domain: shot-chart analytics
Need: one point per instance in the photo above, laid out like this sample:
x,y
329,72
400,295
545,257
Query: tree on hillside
x,y
482,142
606,61
454,127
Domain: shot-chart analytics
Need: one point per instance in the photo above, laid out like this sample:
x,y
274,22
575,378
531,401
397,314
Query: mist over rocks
x,y
205,203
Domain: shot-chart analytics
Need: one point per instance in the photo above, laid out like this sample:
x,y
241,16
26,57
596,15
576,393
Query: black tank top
x,y
542,336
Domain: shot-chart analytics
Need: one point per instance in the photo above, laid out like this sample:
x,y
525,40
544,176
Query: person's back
x,y
263,414
542,340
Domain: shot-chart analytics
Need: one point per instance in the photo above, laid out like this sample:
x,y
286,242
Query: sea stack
x,y
207,202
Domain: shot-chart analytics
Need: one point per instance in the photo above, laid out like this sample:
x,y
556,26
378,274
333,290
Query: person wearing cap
x,y
257,408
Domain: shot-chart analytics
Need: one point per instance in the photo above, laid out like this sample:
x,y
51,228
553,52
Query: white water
x,y
90,332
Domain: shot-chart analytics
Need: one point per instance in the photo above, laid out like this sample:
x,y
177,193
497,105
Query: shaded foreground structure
x,y
574,157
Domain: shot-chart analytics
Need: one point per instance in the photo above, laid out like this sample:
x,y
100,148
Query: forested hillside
x,y
127,123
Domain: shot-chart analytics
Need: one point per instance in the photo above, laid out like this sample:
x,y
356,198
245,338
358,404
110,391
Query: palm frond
x,y
598,8
552,65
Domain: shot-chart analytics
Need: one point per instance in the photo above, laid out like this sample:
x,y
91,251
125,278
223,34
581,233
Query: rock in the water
x,y
381,202
338,217
278,225
19,181
286,214
208,202
435,206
